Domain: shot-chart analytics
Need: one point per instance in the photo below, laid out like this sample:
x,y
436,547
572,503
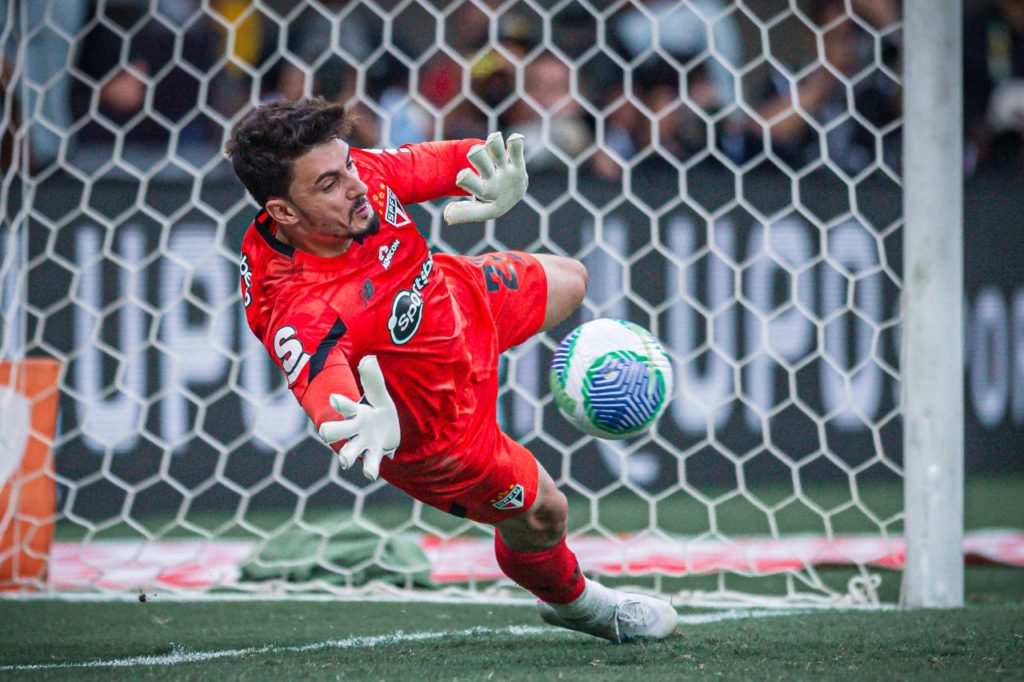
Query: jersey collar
x,y
266,228
263,222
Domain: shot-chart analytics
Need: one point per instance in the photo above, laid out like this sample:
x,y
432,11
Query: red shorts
x,y
503,296
491,480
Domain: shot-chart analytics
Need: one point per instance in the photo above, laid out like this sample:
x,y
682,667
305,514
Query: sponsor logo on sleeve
x,y
407,306
512,498
246,273
289,352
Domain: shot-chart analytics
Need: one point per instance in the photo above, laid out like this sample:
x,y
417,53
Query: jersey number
x,y
493,274
289,351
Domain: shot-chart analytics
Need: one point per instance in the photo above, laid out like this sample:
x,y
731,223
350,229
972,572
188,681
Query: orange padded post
x,y
29,399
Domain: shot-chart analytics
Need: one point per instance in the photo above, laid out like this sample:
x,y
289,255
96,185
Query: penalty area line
x,y
736,614
179,656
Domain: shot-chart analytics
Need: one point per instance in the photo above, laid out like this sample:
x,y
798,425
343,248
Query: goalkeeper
x,y
335,276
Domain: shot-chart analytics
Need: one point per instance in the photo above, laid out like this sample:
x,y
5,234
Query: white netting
x,y
727,171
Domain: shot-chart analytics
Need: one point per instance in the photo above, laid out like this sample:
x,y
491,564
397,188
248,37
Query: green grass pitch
x,y
359,641
253,639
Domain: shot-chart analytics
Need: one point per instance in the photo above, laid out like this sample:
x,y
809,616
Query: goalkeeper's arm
x,y
368,428
499,183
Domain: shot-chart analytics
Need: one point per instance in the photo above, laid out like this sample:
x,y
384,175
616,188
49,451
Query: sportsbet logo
x,y
510,499
407,307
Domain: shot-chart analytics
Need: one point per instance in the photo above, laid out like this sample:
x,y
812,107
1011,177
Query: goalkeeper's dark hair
x,y
269,138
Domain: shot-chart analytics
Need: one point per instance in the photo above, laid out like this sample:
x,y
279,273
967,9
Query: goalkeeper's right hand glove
x,y
372,429
499,183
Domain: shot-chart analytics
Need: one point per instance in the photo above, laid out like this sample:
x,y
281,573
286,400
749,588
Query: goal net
x,y
728,172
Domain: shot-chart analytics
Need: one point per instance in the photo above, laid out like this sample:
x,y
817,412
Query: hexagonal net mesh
x,y
726,170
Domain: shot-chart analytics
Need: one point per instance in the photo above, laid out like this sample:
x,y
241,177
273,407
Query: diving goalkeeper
x,y
335,277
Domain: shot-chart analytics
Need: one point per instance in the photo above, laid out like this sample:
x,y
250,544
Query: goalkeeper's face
x,y
327,204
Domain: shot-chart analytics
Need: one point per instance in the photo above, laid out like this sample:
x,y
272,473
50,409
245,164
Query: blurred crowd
x,y
675,81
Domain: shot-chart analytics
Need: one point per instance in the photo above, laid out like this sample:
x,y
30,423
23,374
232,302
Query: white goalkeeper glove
x,y
372,430
499,183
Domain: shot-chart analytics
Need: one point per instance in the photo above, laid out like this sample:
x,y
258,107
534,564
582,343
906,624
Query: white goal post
x,y
755,181
933,311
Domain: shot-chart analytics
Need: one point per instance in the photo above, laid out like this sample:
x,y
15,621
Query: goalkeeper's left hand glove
x,y
499,183
372,429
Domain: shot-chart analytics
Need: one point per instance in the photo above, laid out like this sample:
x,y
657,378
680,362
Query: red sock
x,y
553,575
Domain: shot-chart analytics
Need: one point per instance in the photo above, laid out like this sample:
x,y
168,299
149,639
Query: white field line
x,y
736,614
424,597
181,656
204,597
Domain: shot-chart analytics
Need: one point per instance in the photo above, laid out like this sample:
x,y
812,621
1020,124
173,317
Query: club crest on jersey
x,y
407,306
394,212
387,253
510,499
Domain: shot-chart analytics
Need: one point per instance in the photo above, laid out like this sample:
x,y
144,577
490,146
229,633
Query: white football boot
x,y
631,617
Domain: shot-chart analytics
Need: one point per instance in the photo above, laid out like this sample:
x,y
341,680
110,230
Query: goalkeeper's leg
x,y
532,551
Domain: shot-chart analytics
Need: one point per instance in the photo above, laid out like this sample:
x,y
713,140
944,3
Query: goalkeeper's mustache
x,y
358,206
372,222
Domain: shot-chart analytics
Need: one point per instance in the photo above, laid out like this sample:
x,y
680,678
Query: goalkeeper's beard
x,y
372,226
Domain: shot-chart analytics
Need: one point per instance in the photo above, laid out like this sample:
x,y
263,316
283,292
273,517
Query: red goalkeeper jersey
x,y
386,296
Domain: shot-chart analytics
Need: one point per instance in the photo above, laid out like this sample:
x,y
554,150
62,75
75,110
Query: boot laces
x,y
633,614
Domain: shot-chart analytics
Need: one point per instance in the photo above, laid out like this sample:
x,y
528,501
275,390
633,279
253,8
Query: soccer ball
x,y
611,378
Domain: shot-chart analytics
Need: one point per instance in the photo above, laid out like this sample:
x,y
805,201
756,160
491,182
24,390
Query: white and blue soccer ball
x,y
611,378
